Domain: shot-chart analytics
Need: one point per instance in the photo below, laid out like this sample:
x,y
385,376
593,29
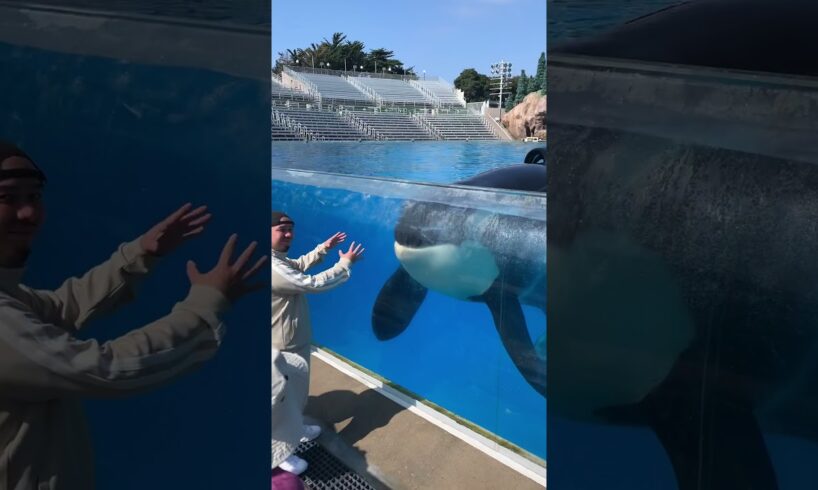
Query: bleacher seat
x,y
440,91
393,126
284,96
335,90
459,126
281,133
321,125
394,92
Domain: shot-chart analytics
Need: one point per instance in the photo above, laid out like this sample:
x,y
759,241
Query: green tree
x,y
341,54
522,88
378,59
539,78
512,88
509,93
509,103
354,53
475,86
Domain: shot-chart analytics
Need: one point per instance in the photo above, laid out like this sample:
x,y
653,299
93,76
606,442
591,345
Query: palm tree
x,y
354,53
340,52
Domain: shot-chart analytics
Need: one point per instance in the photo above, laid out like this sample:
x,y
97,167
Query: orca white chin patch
x,y
460,271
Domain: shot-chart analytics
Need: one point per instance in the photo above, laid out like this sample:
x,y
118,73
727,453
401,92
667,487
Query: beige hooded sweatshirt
x,y
291,325
45,370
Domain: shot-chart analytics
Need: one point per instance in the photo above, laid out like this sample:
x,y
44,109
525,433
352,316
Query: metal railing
x,y
438,102
425,124
368,91
428,93
496,127
361,125
293,126
312,89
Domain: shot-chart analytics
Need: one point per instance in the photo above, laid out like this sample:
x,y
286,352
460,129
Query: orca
x,y
473,255
683,290
752,35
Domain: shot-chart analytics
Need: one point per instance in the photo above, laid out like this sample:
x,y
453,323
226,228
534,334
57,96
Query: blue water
x,y
440,162
451,353
123,144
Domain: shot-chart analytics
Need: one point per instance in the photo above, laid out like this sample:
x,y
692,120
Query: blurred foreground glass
x,y
682,227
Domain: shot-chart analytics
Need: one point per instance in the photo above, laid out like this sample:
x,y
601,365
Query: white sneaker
x,y
310,432
293,464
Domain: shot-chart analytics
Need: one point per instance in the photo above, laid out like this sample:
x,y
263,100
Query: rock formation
x,y
527,118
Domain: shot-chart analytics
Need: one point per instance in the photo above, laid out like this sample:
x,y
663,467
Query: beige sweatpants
x,y
302,389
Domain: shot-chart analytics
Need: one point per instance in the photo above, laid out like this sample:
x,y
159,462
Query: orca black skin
x,y
515,244
757,35
739,232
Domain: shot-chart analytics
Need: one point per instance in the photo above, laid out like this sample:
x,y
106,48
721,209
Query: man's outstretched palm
x,y
335,239
231,279
167,235
354,253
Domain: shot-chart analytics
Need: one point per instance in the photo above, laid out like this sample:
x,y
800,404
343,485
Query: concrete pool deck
x,y
391,446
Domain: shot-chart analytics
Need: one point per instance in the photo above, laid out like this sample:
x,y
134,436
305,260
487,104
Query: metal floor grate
x,y
326,472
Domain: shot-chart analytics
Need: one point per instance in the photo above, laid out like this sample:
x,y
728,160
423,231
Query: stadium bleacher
x,y
393,92
392,126
439,91
281,133
459,126
284,96
343,107
320,125
335,90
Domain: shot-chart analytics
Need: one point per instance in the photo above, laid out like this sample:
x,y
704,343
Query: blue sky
x,y
440,36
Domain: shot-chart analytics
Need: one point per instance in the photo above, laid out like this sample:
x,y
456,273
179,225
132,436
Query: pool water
x,y
439,162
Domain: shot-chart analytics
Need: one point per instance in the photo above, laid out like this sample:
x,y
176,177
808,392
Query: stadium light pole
x,y
502,72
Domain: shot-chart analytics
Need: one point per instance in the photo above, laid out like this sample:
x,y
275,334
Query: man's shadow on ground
x,y
368,411
363,413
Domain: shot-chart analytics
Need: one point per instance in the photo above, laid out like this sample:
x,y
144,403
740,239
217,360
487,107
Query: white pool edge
x,y
492,449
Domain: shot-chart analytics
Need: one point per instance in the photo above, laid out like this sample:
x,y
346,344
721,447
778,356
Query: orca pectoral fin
x,y
396,305
510,323
722,449
715,442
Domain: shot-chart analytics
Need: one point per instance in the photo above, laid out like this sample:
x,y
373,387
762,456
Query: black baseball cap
x,y
8,150
280,218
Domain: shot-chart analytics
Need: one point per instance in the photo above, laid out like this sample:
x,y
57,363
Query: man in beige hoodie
x,y
45,370
291,326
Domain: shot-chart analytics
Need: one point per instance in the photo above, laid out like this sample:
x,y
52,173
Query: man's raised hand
x,y
335,240
353,254
231,279
182,225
